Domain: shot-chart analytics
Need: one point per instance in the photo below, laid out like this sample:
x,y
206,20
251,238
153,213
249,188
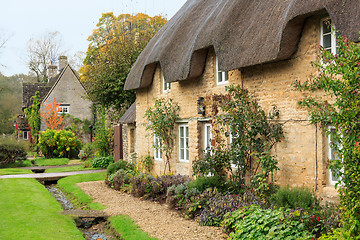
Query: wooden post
x,y
118,143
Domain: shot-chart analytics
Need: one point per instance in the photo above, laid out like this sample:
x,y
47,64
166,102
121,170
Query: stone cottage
x,y
64,85
263,46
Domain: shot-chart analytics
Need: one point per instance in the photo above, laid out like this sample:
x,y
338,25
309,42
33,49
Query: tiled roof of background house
x,y
242,32
130,115
29,90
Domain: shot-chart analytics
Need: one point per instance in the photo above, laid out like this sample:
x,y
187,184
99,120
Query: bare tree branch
x,y
42,52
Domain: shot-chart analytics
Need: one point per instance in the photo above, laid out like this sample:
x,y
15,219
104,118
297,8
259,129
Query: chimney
x,y
51,71
62,62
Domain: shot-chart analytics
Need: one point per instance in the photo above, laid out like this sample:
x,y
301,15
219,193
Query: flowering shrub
x,y
59,143
219,205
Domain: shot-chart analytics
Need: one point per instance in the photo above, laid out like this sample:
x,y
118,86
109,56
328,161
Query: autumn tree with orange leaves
x,y
51,115
114,47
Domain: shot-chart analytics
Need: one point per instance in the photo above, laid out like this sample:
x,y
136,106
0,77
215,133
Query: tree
x,y
33,116
161,121
338,81
51,115
10,103
42,52
114,47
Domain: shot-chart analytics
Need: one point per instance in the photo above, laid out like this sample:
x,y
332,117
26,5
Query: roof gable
x,y
55,80
242,33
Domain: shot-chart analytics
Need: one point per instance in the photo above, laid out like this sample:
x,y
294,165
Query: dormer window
x,y
221,76
328,36
166,86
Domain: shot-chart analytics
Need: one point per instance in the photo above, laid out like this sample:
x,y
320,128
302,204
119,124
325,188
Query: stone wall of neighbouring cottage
x,y
302,154
68,90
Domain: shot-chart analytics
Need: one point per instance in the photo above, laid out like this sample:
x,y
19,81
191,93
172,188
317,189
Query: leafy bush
x,y
102,162
219,205
202,183
121,178
11,151
192,207
298,197
59,143
114,167
157,187
87,152
139,184
256,223
147,163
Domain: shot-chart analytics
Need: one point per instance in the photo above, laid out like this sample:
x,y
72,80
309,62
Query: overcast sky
x,y
21,20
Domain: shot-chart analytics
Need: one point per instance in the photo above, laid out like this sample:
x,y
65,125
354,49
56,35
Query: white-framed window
x,y
208,138
166,86
328,36
157,148
25,135
221,76
64,108
183,143
332,155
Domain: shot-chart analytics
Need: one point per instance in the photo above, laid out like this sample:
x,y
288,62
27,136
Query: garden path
x,y
156,219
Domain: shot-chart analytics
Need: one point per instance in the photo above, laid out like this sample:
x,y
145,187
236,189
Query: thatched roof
x,y
130,115
242,32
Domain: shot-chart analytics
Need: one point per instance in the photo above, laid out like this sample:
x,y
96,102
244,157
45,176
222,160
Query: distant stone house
x,y
64,85
263,46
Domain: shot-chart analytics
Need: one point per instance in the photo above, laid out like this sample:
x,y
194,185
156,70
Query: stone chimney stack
x,y
51,71
62,62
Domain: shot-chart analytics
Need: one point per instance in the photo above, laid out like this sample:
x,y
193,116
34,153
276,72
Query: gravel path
x,y
154,218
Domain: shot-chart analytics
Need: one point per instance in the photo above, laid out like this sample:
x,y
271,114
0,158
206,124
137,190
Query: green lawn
x,y
28,211
11,171
51,161
68,169
124,225
76,195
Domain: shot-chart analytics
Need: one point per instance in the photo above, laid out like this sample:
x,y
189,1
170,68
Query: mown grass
x,y
28,211
12,171
76,195
68,169
124,225
51,161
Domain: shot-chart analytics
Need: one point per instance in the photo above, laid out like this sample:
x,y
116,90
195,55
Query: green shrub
x,y
298,197
102,162
120,178
256,223
59,143
114,167
11,151
203,183
87,152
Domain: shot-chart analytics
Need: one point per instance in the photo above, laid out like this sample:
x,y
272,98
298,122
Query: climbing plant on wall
x,y
237,115
33,116
337,78
161,122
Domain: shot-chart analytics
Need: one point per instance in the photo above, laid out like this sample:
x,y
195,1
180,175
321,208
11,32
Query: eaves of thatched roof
x,y
242,32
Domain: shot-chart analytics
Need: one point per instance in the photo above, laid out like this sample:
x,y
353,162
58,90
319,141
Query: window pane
x,y
220,77
187,154
181,132
226,76
326,26
327,41
187,131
